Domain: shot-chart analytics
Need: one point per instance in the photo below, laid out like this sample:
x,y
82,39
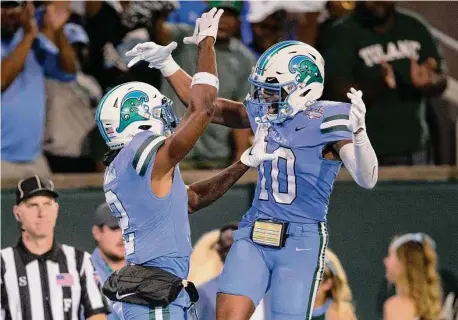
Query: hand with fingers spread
x,y
358,111
158,57
206,26
254,156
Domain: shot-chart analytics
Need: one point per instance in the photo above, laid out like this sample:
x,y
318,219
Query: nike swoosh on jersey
x,y
300,128
119,297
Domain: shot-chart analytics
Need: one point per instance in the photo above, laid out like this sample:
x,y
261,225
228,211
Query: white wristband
x,y
170,68
205,78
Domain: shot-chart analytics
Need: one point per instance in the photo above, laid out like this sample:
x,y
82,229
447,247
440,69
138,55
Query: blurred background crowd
x,y
59,58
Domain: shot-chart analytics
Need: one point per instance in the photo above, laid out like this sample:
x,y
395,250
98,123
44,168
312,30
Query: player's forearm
x,y
203,95
228,113
366,160
360,160
200,111
180,81
13,64
203,193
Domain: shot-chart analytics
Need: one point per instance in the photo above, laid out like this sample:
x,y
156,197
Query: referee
x,y
40,278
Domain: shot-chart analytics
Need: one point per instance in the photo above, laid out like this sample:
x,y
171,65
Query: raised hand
x,y
206,26
28,21
56,16
358,111
254,156
158,57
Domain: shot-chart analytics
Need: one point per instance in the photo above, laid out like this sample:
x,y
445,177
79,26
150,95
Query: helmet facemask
x,y
270,99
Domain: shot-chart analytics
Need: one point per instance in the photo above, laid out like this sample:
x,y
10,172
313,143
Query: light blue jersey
x,y
297,186
155,230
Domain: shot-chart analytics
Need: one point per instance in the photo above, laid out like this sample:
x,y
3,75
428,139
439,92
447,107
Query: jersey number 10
x,y
286,155
123,220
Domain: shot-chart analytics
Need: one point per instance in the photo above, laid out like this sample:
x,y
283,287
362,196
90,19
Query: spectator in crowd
x,y
234,61
205,262
33,46
268,22
70,115
392,57
206,306
188,12
411,265
114,27
334,297
450,308
219,248
109,254
41,278
334,11
449,282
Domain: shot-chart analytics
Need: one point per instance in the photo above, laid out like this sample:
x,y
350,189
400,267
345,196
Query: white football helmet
x,y
287,78
131,108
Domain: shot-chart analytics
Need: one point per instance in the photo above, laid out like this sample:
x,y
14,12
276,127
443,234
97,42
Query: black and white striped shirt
x,y
54,286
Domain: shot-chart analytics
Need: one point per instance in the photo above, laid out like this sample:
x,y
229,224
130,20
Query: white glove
x,y
357,112
254,156
206,26
159,57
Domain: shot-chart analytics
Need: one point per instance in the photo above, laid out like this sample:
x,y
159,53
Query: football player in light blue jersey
x,y
281,242
146,192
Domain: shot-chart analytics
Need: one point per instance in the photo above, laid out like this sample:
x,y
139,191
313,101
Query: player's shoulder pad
x,y
143,147
336,117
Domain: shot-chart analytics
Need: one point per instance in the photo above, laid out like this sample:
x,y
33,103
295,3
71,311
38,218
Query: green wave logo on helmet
x,y
305,68
133,108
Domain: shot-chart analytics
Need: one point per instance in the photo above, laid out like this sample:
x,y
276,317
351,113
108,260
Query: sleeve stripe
x,y
154,146
337,117
333,123
142,152
335,128
141,149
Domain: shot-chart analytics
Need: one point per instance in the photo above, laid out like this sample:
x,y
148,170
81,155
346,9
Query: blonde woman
x,y
334,298
411,265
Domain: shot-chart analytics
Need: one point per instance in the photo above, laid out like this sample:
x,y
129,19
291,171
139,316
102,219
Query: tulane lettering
x,y
401,49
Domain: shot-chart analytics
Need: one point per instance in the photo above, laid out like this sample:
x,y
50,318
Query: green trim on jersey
x,y
335,128
323,232
159,313
337,122
145,153
336,117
